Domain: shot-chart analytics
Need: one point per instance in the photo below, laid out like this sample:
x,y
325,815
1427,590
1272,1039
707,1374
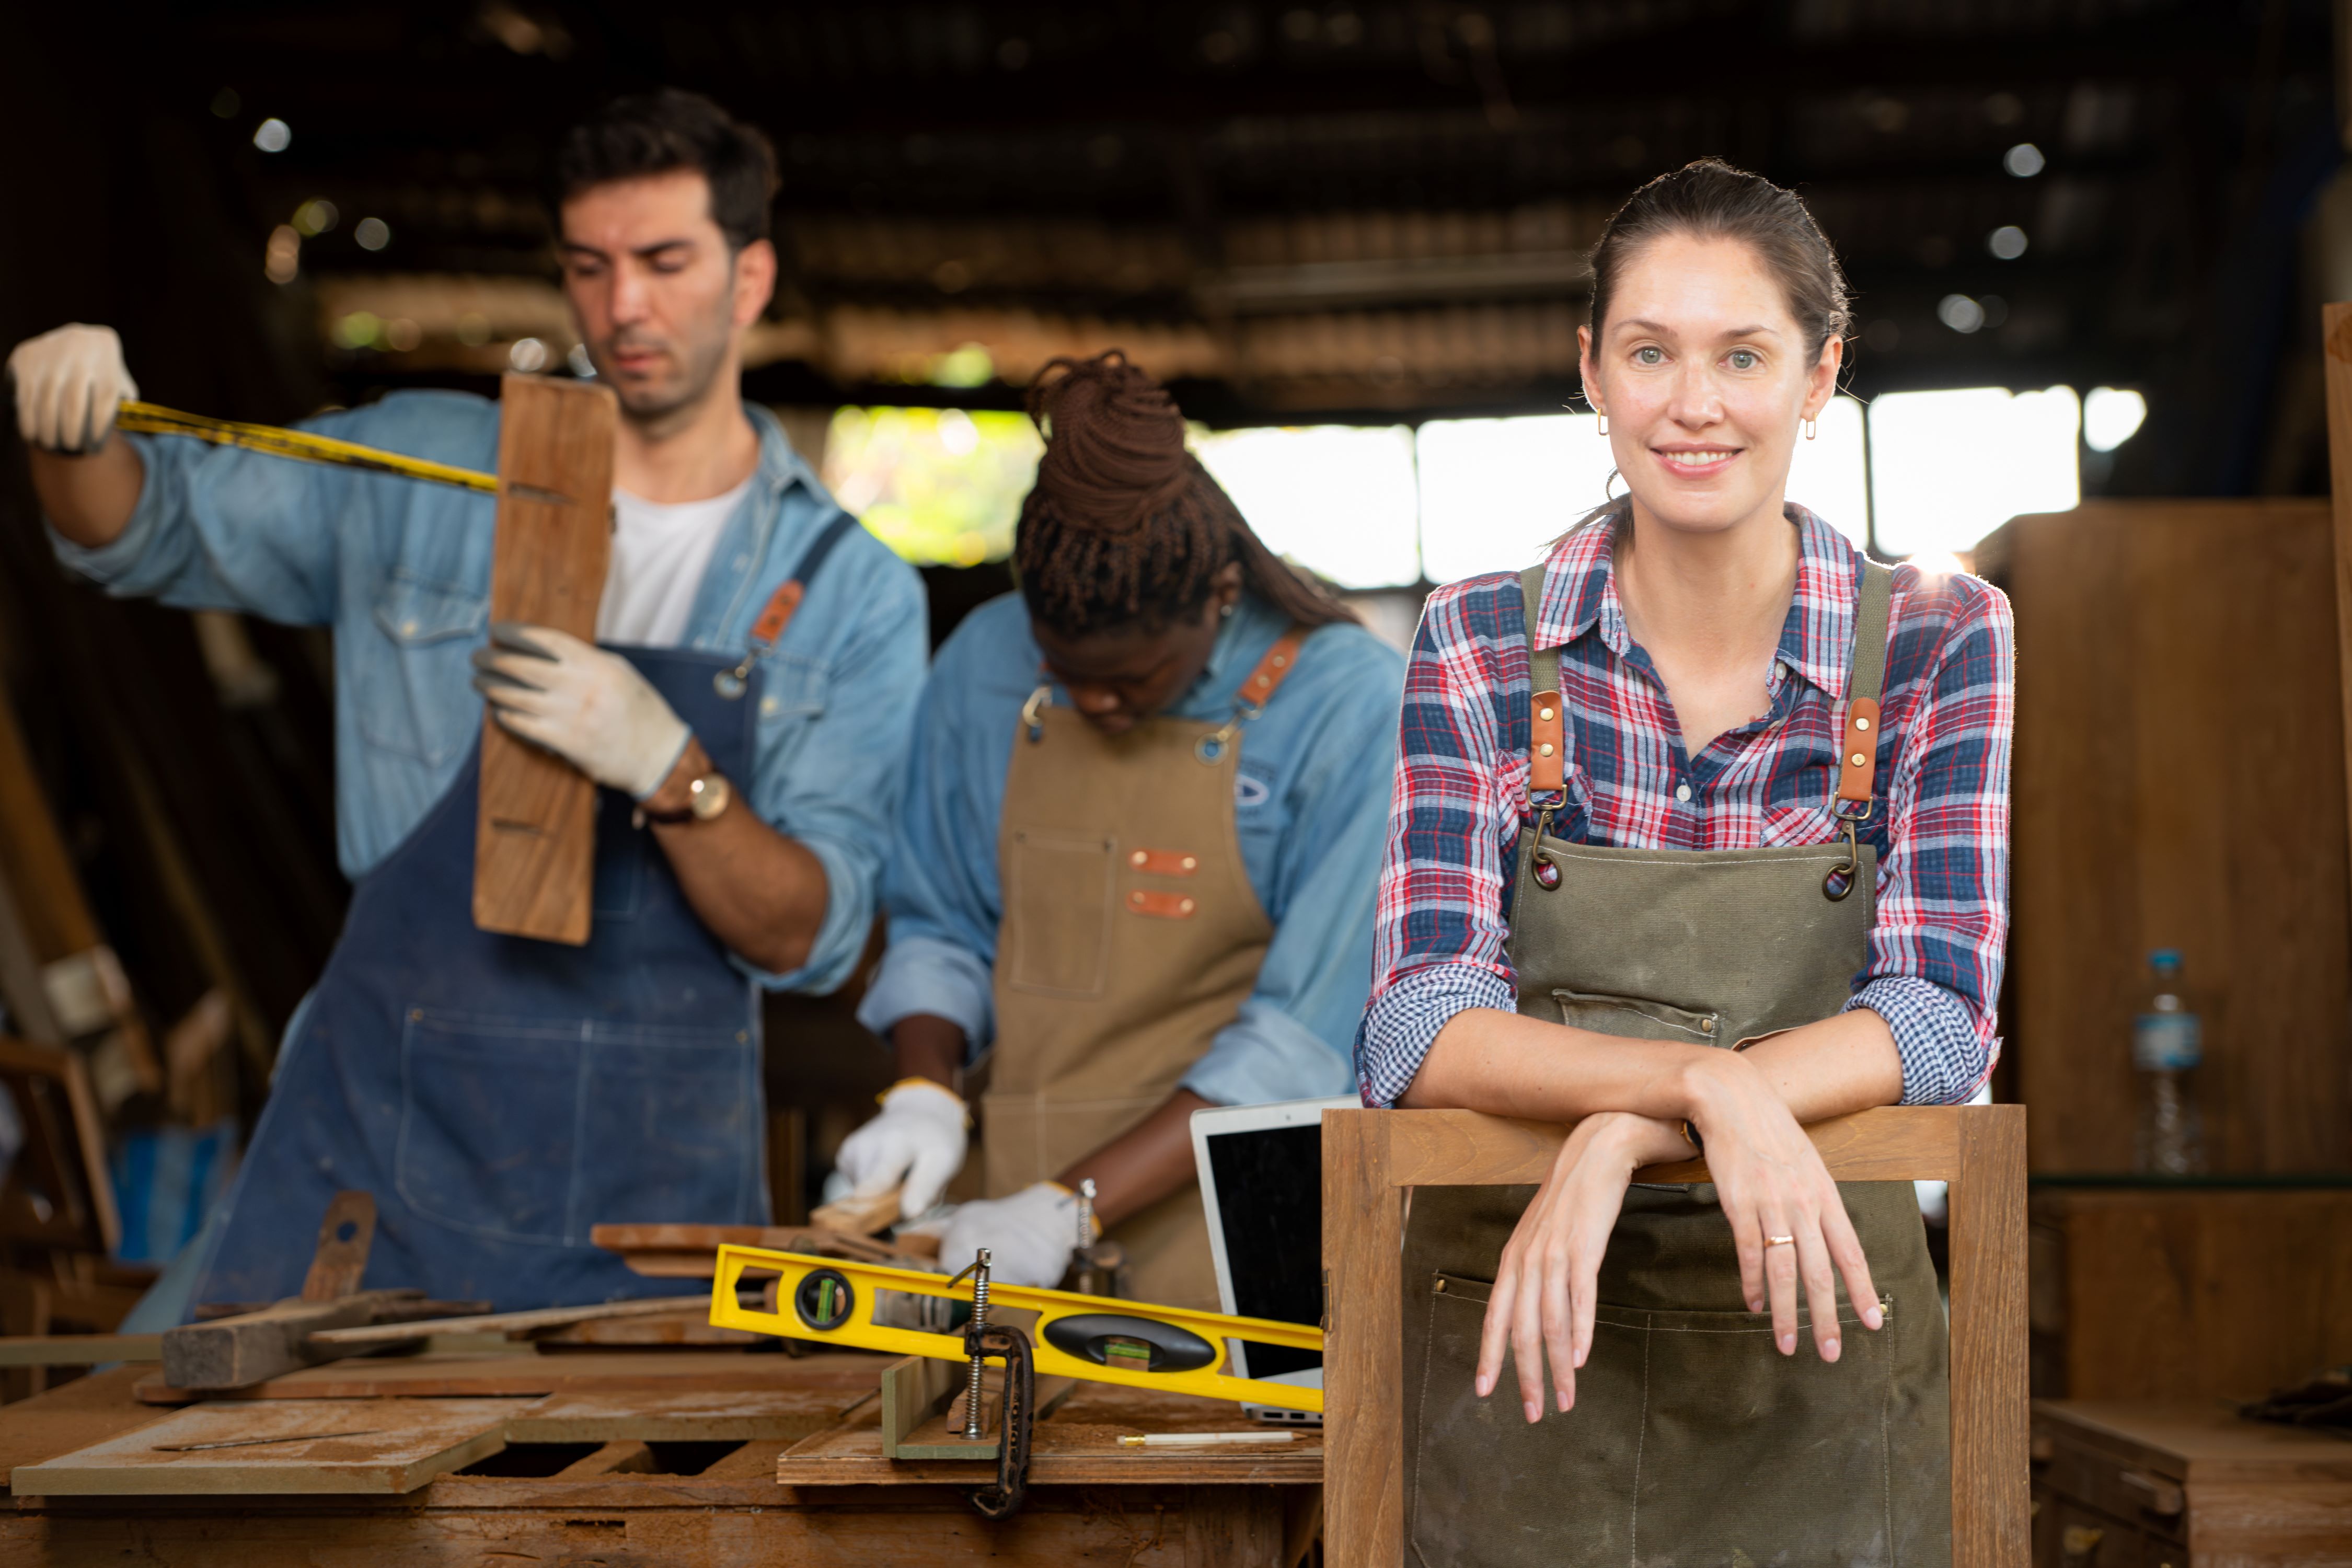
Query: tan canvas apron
x,y
1692,1442
1130,936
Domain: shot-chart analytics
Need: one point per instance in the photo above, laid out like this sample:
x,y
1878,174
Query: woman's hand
x,y
1543,1296
1771,1183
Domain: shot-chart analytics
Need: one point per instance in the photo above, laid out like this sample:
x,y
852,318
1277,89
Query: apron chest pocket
x,y
535,1129
1635,1017
1679,1448
1059,905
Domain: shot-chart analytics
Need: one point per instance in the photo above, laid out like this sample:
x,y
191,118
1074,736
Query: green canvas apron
x,y
1694,1443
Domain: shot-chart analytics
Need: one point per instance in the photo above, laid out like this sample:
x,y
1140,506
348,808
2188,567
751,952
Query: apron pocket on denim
x,y
533,1130
684,1105
1677,1449
488,1123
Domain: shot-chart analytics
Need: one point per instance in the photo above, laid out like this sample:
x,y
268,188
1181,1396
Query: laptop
x,y
1262,1183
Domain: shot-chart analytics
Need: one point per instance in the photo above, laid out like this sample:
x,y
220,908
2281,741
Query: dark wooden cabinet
x,y
2178,782
2146,1292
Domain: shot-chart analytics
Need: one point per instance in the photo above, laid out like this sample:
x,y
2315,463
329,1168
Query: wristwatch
x,y
706,797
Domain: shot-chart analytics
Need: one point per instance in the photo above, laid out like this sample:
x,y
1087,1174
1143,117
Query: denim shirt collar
x,y
723,605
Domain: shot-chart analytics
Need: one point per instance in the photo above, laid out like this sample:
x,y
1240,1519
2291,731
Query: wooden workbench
x,y
643,1457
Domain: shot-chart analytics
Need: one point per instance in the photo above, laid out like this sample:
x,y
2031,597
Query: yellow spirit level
x,y
1098,1338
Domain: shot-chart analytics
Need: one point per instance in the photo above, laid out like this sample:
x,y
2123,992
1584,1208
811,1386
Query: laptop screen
x,y
1269,1185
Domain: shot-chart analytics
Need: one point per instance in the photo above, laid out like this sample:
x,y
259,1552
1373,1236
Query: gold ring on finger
x,y
1780,1241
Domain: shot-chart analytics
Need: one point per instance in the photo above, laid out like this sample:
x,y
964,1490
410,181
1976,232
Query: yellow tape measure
x,y
153,419
1098,1338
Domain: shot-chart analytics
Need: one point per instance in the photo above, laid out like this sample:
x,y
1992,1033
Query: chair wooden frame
x,y
1371,1157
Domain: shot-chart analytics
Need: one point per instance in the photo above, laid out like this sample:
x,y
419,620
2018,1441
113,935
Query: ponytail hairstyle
x,y
1123,524
1710,199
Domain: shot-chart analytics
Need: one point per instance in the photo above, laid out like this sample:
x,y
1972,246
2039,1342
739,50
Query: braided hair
x,y
1124,524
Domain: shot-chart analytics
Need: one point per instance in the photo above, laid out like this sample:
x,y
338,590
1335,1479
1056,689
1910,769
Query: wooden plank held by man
x,y
535,845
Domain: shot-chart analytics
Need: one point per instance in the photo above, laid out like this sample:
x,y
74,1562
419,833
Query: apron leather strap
x,y
786,599
787,596
1865,677
1546,725
1273,670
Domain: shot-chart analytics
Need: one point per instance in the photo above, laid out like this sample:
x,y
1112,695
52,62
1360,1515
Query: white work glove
x,y
69,385
919,1140
1029,1235
589,707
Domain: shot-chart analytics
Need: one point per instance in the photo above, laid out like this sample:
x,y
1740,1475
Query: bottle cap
x,y
2164,958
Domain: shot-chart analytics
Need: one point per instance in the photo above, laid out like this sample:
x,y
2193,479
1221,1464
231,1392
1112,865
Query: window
x,y
938,486
1386,506
1948,468
1338,500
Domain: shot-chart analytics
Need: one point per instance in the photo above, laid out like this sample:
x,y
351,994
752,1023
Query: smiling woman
x,y
1700,832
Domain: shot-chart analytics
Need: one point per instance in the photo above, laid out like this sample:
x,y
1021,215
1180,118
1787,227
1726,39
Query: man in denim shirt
x,y
498,1095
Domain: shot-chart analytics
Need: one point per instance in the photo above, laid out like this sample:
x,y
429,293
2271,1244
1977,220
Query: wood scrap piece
x,y
231,1353
854,1216
79,1349
345,1233
689,1415
245,1446
688,1328
915,1389
87,1410
521,1370
535,837
692,1251
346,1341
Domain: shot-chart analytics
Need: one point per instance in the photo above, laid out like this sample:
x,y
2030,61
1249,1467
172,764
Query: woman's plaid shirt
x,y
1941,827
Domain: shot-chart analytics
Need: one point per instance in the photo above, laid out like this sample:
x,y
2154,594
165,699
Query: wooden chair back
x,y
1371,1157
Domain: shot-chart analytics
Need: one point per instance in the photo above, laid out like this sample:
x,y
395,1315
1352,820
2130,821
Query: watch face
x,y
710,795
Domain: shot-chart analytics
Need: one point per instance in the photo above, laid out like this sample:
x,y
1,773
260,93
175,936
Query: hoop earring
x,y
1812,429
1604,424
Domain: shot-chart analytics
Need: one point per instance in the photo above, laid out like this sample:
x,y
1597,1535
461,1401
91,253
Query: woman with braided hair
x,y
1134,869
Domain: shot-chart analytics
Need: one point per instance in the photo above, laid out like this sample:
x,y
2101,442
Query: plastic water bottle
x,y
2168,1044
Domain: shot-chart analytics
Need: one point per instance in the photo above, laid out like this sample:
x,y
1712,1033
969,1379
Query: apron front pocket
x,y
535,1129
1486,1489
683,1107
1692,1441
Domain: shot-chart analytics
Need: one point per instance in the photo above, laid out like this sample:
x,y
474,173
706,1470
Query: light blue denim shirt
x,y
401,570
1311,806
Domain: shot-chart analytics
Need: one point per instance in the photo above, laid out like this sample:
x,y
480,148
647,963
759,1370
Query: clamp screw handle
x,y
979,1272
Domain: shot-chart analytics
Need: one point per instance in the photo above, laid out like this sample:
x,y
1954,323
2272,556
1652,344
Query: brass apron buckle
x,y
1546,869
1210,749
1840,881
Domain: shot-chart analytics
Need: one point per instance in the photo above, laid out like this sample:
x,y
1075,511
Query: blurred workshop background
x,y
2088,240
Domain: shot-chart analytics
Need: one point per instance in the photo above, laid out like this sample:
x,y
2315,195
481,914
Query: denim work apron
x,y
1693,1443
498,1096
